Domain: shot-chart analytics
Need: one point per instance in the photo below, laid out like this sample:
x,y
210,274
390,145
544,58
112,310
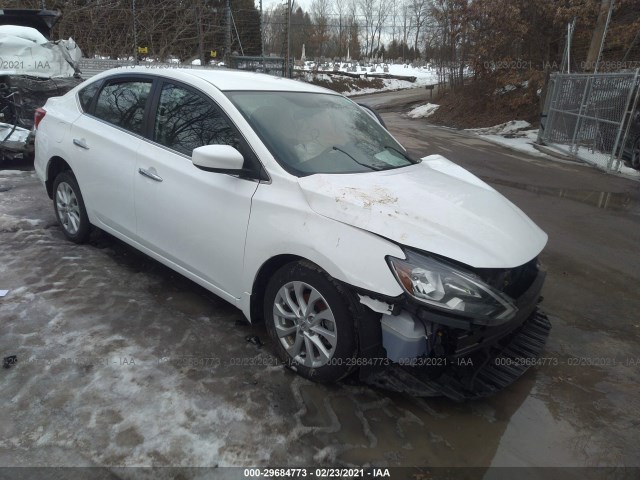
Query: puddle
x,y
607,200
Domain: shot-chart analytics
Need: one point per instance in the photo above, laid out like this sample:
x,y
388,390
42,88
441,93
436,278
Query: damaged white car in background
x,y
32,69
296,205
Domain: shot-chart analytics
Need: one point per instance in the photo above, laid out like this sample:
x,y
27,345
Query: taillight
x,y
38,116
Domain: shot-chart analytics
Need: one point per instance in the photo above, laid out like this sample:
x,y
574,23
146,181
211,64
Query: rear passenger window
x,y
188,120
86,95
123,104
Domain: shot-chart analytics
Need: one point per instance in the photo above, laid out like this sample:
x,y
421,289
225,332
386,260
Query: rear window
x,y
86,95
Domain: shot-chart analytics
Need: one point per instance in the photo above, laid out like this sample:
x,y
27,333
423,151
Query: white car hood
x,y
435,206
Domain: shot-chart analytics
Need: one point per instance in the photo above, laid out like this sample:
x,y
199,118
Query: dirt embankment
x,y
486,103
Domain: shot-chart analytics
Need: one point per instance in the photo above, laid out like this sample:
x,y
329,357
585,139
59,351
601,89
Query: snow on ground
x,y
389,84
512,134
510,88
522,143
601,160
511,126
516,135
423,111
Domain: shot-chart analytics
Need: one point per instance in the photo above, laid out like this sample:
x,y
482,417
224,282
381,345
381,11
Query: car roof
x,y
226,79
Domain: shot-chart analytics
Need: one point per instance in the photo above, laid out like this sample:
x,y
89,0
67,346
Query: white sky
x,y
305,4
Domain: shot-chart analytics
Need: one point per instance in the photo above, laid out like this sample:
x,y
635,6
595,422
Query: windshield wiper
x,y
403,154
335,147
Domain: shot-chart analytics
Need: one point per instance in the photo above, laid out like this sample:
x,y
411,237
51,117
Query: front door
x,y
195,219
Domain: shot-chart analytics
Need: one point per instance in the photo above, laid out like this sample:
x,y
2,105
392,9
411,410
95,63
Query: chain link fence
x,y
589,116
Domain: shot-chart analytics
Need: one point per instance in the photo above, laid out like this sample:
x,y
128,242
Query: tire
x,y
326,330
69,207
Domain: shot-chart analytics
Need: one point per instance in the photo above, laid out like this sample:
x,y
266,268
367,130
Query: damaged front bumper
x,y
463,361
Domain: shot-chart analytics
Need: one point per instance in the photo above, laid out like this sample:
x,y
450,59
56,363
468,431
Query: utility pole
x,y
597,39
200,34
566,55
288,56
135,34
604,35
261,36
288,59
227,46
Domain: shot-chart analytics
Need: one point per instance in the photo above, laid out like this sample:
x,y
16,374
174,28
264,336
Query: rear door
x,y
104,143
195,219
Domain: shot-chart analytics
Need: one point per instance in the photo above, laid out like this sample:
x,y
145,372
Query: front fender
x,y
347,253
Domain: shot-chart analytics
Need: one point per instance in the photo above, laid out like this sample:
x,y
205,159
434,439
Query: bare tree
x,y
320,11
367,13
341,13
381,14
407,27
274,29
418,9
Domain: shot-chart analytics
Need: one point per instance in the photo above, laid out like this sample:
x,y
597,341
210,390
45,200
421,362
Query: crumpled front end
x,y
429,351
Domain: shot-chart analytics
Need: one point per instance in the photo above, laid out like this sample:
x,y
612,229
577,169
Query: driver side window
x,y
186,120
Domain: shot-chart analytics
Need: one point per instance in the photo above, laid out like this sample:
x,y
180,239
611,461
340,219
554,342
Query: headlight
x,y
448,288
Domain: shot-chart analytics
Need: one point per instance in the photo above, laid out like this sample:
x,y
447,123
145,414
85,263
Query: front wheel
x,y
69,207
310,320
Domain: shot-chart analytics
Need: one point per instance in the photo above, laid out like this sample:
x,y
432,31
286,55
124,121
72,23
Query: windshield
x,y
311,133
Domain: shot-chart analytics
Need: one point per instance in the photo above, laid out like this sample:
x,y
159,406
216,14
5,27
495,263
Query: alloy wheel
x,y
305,324
68,208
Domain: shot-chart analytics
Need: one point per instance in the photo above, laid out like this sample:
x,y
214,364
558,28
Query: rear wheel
x,y
310,319
69,208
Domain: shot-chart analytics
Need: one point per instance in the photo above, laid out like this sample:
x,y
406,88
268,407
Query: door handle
x,y
149,174
81,142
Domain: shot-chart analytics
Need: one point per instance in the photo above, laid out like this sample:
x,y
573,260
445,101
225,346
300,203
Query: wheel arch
x,y
265,272
55,166
366,322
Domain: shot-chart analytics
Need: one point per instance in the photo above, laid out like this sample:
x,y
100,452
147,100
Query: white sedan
x,y
296,205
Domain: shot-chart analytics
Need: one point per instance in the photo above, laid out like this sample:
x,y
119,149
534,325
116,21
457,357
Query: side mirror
x,y
218,158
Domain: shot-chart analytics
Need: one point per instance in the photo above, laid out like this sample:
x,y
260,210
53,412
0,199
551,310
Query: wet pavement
x,y
122,362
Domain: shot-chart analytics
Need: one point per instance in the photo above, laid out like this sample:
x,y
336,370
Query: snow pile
x,y
309,77
423,76
517,135
602,160
390,84
423,111
512,127
10,173
514,134
522,141
12,224
510,88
